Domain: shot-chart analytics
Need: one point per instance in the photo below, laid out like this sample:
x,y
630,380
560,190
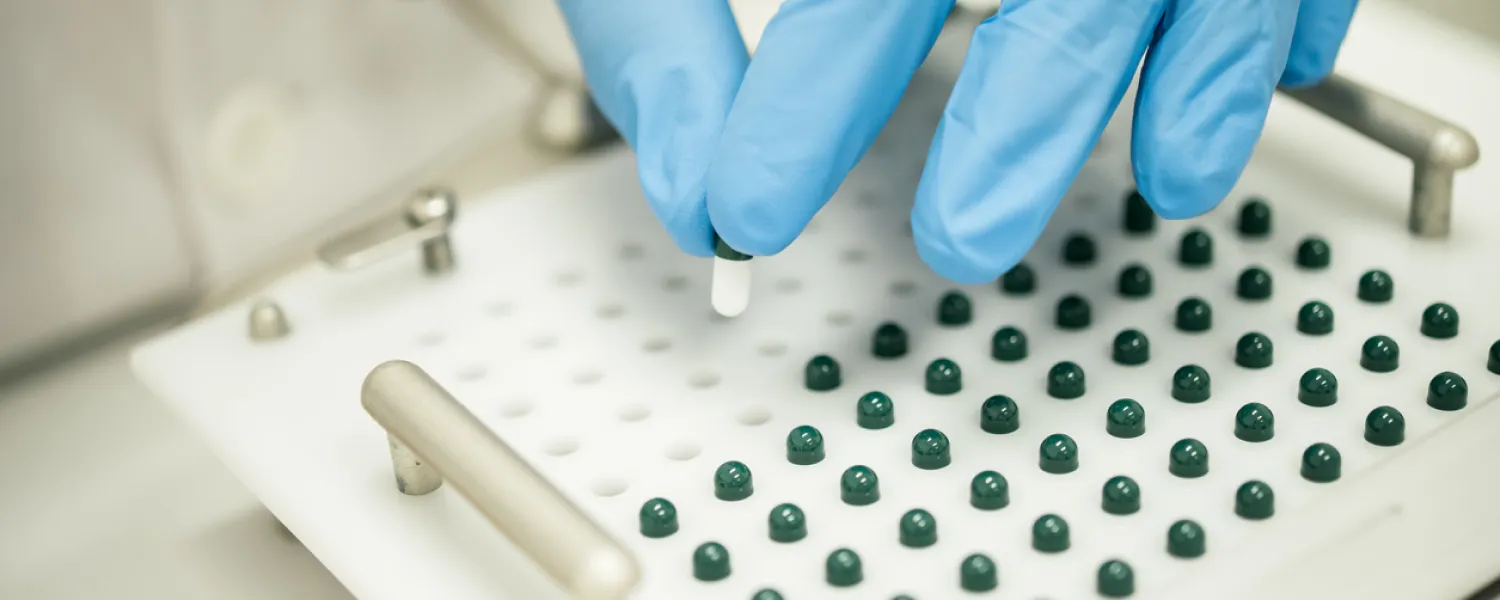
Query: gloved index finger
x,y
826,76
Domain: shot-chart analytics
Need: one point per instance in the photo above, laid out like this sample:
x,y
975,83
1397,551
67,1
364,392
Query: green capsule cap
x,y
787,523
1197,248
1019,280
1079,250
710,562
1188,458
1116,579
1059,454
1122,496
1254,284
918,529
1440,321
944,377
732,481
999,414
1318,387
1186,539
722,250
1255,218
658,518
1073,312
1380,354
1050,534
1494,363
1376,286
1065,381
1315,318
890,341
804,445
767,594
822,374
989,491
930,450
1125,418
1448,391
1314,253
978,573
1131,348
954,309
1191,384
1253,351
844,568
875,411
1139,218
1194,314
1385,426
1254,423
1008,344
1321,463
1135,282
1254,500
859,486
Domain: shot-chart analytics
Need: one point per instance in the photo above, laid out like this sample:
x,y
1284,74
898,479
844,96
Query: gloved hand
x,y
754,149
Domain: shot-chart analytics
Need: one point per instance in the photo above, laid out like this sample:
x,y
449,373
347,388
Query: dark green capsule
x,y
1019,280
804,445
711,562
978,573
918,529
1050,534
1131,348
1186,539
1494,363
844,568
1135,282
1376,286
1194,314
767,594
1314,253
1254,423
1253,351
944,377
658,518
1122,496
1440,321
1125,418
822,374
890,341
1116,579
1079,250
1191,384
875,411
859,486
999,414
1065,381
1188,458
1197,248
1315,318
930,450
722,250
1318,387
1254,284
787,523
1255,500
1139,218
1059,454
1008,344
1255,218
1448,391
989,491
954,309
1321,463
1073,312
1380,354
732,481
1385,426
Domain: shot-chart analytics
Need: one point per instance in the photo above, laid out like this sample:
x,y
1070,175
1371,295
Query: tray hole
x,y
704,380
431,339
500,309
560,446
789,285
515,409
472,373
610,312
772,348
609,487
839,318
567,278
635,413
903,288
631,251
854,256
674,283
657,345
683,451
867,199
754,416
587,377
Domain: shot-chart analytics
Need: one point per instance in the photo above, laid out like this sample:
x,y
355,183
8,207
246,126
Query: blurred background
x,y
162,156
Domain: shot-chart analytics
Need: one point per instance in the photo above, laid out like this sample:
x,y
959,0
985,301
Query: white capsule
x,y
731,286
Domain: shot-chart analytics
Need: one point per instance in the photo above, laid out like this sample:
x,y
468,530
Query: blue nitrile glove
x,y
756,148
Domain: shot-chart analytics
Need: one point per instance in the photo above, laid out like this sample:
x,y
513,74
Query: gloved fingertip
x,y
753,215
681,211
950,257
1186,190
1303,70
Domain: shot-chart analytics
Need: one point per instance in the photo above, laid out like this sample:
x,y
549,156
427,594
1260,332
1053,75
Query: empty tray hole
x,y
472,373
703,379
431,338
567,278
631,251
500,309
609,486
610,311
788,285
515,409
542,342
656,344
674,283
634,413
560,446
755,415
772,348
587,377
683,451
840,317
903,288
854,256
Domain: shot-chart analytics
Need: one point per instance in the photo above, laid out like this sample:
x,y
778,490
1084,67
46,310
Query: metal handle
x,y
1437,148
427,217
434,437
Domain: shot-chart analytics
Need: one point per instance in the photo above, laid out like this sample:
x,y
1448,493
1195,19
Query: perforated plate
x,y
575,330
